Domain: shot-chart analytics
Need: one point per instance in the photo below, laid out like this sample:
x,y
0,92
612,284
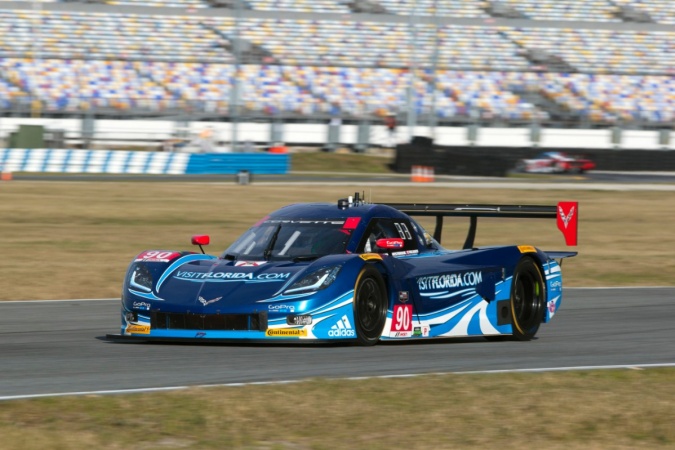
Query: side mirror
x,y
201,239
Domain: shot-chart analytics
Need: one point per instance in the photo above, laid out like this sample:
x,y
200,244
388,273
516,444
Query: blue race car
x,y
348,271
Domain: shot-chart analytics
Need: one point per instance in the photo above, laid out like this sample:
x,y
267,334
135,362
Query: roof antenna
x,y
357,199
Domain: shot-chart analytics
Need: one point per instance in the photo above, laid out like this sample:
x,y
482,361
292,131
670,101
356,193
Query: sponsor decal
x,y
201,334
551,307
421,331
286,332
400,334
205,302
281,308
405,252
556,286
157,256
393,243
141,305
247,277
249,263
342,328
450,280
527,249
403,296
138,329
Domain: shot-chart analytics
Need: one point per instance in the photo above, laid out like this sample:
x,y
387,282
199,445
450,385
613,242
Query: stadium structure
x,y
592,64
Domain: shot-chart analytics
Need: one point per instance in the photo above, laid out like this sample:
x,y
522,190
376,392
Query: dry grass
x,y
552,411
75,239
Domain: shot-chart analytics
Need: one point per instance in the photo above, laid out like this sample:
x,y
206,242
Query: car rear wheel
x,y
370,306
527,299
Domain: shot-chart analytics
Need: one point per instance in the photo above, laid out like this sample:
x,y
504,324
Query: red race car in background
x,y
555,162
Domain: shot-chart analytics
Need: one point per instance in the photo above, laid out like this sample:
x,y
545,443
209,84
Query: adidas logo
x,y
342,328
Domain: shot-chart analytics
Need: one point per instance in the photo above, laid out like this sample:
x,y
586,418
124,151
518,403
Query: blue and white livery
x,y
351,271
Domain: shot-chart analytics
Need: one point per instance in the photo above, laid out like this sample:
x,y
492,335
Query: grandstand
x,y
594,63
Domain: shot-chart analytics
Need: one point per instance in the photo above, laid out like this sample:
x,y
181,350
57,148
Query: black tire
x,y
370,306
528,299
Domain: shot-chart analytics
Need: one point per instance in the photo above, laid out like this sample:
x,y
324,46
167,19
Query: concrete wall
x,y
152,132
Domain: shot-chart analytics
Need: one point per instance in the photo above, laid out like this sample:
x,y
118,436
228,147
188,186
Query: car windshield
x,y
290,239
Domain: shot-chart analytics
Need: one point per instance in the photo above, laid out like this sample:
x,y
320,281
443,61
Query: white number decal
x,y
403,313
155,254
403,231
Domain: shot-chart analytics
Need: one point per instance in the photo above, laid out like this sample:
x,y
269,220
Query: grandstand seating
x,y
109,36
464,9
660,11
316,6
186,4
601,51
334,65
595,10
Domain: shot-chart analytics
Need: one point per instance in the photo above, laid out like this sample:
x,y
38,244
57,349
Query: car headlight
x,y
315,281
141,278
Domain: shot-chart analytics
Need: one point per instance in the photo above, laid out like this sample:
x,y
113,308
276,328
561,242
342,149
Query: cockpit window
x,y
380,228
290,239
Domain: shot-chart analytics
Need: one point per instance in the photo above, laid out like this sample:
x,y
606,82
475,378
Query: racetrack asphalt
x,y
597,180
58,347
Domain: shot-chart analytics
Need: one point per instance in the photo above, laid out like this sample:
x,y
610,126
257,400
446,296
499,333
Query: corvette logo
x,y
566,217
205,302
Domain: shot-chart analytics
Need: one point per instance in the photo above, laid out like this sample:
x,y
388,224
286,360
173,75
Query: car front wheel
x,y
370,306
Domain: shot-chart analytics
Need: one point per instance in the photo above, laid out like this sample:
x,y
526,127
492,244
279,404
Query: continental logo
x,y
285,332
527,249
138,329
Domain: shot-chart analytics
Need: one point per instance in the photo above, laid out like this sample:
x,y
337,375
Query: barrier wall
x,y
153,132
130,162
499,161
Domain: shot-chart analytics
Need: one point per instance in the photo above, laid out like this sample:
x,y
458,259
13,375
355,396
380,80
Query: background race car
x,y
555,162
349,271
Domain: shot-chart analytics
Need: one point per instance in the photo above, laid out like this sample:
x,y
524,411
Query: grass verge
x,y
75,239
546,410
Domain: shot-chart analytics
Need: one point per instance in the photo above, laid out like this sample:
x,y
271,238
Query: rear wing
x,y
565,213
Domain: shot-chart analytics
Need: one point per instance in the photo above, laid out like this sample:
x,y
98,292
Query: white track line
x,y
272,383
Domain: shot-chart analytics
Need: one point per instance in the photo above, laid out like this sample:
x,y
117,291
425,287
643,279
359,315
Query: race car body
x,y
555,162
351,271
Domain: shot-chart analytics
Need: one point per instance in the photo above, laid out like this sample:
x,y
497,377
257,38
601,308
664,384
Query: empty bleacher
x,y
317,59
